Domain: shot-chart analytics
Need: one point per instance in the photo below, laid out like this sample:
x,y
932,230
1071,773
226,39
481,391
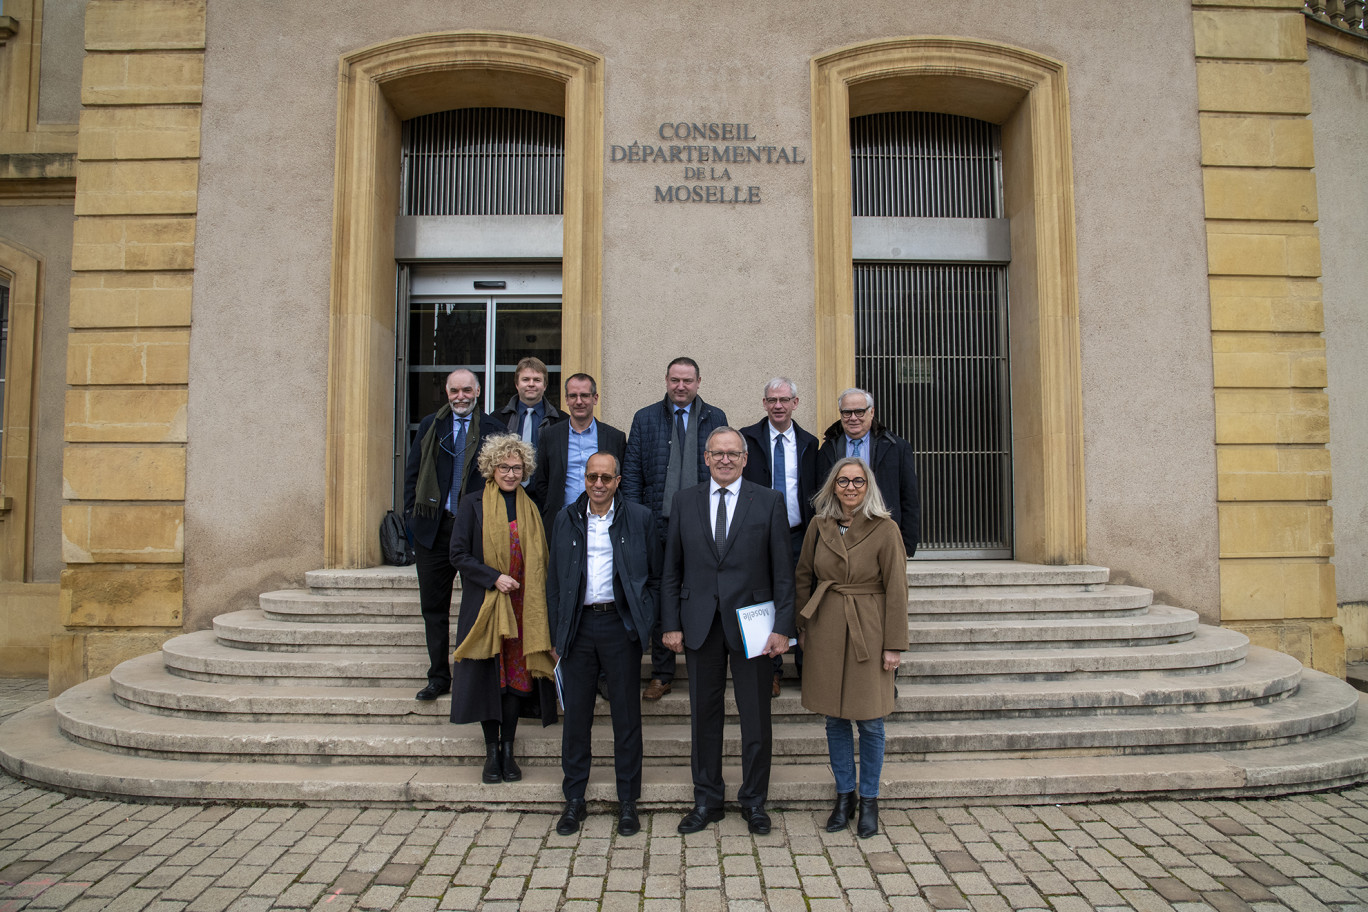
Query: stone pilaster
x,y
123,467
1263,255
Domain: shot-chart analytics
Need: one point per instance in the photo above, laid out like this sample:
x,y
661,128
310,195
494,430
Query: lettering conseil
x,y
714,131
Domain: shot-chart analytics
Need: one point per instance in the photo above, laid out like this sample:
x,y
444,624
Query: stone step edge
x,y
32,749
1266,676
89,712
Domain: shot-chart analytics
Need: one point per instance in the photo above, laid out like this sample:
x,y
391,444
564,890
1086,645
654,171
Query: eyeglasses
x,y
854,413
726,455
844,482
510,469
778,400
576,397
602,478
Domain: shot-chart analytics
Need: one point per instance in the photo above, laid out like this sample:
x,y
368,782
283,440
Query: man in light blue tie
x,y
888,456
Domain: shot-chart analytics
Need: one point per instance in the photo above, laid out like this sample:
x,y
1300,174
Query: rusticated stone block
x,y
130,357
1275,589
137,187
112,244
1272,416
1269,360
1248,141
130,299
123,533
127,597
126,415
116,25
123,472
139,133
175,77
1316,644
1266,304
1263,249
66,662
1272,473
1275,530
106,649
1264,194
1249,34
1253,88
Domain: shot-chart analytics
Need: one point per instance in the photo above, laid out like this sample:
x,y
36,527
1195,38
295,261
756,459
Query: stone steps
x,y
1025,683
143,684
90,715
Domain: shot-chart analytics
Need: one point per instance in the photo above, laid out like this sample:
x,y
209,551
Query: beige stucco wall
x,y
730,286
1339,105
46,230
59,92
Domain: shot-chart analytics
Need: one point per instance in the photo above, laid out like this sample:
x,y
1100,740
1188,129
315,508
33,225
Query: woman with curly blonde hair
x,y
502,663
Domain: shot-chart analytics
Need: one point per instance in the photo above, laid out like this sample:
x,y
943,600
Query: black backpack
x,y
395,547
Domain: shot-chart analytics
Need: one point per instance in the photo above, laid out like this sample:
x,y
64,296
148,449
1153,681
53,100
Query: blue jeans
x,y
841,747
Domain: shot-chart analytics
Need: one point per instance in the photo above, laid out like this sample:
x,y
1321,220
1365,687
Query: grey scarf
x,y
682,472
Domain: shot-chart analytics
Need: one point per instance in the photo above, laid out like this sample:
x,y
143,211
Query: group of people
x,y
580,546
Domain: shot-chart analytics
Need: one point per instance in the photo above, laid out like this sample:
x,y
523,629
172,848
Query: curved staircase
x,y
1025,683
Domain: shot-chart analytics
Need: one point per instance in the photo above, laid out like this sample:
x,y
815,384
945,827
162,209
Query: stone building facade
x,y
201,237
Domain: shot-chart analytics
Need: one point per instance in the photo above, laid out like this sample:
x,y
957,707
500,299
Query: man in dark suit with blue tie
x,y
727,548
444,451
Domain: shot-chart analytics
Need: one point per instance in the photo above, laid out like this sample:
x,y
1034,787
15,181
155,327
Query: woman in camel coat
x,y
853,629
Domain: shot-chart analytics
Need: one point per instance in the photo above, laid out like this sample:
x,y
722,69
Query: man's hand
x,y
674,640
777,645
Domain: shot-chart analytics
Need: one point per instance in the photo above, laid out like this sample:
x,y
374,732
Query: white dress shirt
x,y
713,488
598,541
795,516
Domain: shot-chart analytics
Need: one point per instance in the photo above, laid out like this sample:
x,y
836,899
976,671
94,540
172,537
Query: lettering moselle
x,y
719,146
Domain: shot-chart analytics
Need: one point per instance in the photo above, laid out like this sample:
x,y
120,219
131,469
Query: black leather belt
x,y
602,606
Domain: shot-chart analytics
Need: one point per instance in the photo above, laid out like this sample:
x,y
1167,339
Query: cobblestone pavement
x,y
1305,852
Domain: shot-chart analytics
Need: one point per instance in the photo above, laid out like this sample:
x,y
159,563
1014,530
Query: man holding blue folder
x,y
727,548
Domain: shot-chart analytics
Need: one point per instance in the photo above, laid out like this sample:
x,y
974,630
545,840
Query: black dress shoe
x,y
756,818
571,817
869,818
842,812
432,692
628,824
697,819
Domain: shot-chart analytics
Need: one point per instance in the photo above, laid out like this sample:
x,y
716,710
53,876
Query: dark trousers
x,y
707,692
662,658
602,643
435,578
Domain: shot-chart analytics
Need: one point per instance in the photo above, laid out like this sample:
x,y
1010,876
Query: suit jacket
x,y
547,488
756,564
895,472
509,416
424,528
760,462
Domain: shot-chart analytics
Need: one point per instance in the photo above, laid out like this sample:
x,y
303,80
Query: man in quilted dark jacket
x,y
664,456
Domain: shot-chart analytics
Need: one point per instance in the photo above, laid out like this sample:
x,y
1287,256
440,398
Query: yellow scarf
x,y
496,620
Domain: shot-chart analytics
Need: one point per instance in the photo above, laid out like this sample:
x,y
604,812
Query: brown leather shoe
x,y
655,690
774,691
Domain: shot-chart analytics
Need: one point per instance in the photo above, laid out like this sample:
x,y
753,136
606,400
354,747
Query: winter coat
x,y
648,450
853,593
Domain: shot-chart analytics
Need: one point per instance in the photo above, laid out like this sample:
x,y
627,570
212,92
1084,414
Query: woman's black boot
x,y
842,812
493,772
869,818
511,772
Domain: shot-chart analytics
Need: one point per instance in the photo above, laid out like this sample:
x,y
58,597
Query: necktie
x,y
528,417
780,482
458,465
679,425
855,447
720,531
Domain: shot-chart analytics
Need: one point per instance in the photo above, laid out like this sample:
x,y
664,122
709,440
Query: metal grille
x,y
914,164
483,161
931,345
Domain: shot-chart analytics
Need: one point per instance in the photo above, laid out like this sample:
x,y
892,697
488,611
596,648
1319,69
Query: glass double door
x,y
481,319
